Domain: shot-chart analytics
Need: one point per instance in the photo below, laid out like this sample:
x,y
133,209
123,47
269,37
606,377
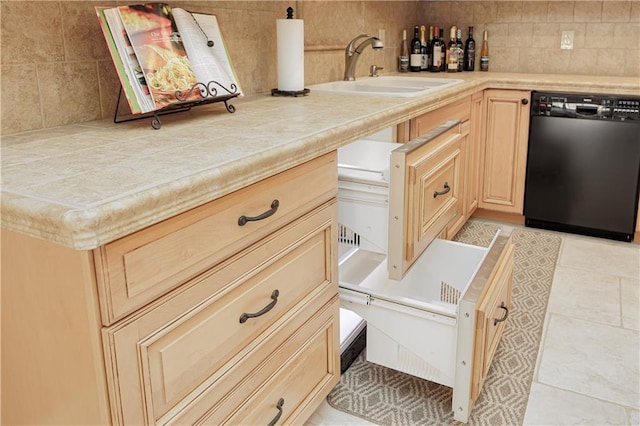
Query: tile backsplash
x,y
57,70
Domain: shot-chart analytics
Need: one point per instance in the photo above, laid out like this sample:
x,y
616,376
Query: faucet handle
x,y
374,71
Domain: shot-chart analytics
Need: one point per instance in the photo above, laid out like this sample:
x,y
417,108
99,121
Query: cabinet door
x,y
424,196
504,154
458,221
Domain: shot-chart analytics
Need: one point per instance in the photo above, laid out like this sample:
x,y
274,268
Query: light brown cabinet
x,y
466,191
472,145
200,318
504,150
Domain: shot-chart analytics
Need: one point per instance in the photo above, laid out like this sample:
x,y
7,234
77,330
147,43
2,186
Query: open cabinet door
x,y
424,195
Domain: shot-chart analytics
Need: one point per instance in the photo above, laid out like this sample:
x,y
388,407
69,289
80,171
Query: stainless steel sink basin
x,y
394,86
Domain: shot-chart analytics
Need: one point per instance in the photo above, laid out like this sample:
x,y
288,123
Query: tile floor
x,y
588,368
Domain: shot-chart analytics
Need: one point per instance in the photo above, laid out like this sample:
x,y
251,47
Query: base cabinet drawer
x,y
491,316
138,268
187,346
308,369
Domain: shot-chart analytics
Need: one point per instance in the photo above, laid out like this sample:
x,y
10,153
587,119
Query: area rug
x,y
388,397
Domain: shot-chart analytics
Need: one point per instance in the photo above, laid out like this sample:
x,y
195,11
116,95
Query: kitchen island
x,y
101,285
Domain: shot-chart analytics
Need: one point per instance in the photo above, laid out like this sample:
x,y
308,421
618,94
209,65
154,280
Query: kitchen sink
x,y
393,86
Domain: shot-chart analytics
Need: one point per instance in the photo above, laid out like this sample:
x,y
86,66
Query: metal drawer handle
x,y
277,417
506,314
447,188
244,317
242,220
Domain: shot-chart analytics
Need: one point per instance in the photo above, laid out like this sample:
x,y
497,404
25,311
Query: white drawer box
x,y
434,308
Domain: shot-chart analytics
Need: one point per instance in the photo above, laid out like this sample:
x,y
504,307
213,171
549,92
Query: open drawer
x,y
434,308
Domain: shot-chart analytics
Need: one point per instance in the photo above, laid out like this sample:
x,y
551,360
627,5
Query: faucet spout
x,y
352,53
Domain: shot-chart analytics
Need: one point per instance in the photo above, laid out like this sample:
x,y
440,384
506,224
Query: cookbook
x,y
165,56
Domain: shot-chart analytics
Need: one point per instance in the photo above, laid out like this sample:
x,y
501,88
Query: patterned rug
x,y
388,397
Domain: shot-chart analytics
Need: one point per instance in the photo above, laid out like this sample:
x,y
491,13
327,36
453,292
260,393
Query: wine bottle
x,y
443,52
429,43
403,60
460,47
423,49
436,52
452,51
470,52
484,53
416,56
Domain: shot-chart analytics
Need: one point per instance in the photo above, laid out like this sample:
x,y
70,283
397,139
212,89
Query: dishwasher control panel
x,y
579,105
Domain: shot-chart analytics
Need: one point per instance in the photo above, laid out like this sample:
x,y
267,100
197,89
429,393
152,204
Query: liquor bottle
x,y
470,52
416,56
436,52
460,47
403,60
423,49
452,51
443,52
484,53
429,43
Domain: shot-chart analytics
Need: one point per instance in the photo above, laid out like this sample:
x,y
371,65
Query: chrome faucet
x,y
352,54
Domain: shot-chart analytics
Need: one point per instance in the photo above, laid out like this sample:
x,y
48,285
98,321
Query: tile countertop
x,y
87,184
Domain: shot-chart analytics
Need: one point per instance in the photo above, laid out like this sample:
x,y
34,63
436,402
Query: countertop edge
x,y
87,229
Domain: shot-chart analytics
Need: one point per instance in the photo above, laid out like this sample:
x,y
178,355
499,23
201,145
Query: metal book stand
x,y
209,95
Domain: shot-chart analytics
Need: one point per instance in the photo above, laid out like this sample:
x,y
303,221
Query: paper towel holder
x,y
294,93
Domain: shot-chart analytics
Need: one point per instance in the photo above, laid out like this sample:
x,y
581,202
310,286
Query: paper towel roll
x,y
290,34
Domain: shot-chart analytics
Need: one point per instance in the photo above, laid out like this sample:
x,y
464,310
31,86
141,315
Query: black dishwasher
x,y
583,164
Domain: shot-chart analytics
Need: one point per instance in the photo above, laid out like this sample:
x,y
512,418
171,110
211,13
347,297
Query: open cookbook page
x,y
211,64
158,46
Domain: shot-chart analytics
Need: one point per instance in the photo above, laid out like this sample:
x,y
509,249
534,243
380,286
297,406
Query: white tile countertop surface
x,y
87,184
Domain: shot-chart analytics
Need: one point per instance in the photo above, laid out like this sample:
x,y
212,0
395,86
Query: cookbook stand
x,y
208,91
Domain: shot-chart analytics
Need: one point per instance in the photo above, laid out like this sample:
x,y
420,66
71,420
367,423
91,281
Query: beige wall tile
x,y
21,109
530,59
634,15
587,11
69,92
31,32
616,11
583,61
509,11
503,59
599,35
75,17
546,35
485,12
632,63
611,61
624,33
560,11
520,35
535,11
556,61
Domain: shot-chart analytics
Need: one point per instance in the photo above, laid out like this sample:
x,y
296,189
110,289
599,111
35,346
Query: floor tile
x,y
602,256
634,417
575,293
630,296
326,415
548,405
592,359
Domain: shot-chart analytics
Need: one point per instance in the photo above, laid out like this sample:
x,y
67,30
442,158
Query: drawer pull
x,y
506,314
277,417
242,220
244,317
447,188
